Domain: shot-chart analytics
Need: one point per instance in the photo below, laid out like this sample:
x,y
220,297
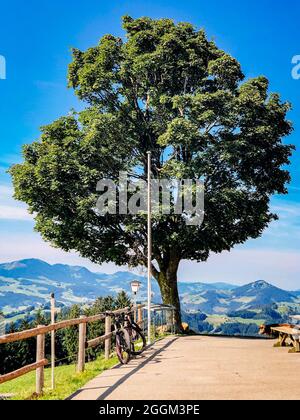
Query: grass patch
x,y
67,380
219,320
258,322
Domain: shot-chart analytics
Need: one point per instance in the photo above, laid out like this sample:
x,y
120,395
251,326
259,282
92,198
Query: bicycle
x,y
130,340
137,338
122,338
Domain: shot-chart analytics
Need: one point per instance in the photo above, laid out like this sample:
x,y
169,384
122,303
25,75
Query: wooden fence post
x,y
81,346
52,306
40,355
140,315
108,340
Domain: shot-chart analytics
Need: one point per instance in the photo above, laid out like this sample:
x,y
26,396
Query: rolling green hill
x,y
26,285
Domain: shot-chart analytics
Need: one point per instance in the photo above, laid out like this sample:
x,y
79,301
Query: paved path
x,y
199,368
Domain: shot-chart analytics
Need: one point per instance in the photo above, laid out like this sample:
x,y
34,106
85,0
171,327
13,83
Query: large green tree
x,y
168,89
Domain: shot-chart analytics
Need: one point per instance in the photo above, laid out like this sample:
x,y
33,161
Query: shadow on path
x,y
135,366
135,370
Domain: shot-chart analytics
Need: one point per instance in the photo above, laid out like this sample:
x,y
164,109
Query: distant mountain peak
x,y
32,262
261,284
28,283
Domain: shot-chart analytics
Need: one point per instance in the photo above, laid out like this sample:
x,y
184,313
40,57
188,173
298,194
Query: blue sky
x,y
35,39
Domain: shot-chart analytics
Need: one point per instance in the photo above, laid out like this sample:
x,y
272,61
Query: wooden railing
x,y
83,344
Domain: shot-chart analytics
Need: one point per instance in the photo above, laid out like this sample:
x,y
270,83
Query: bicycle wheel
x,y
123,346
137,340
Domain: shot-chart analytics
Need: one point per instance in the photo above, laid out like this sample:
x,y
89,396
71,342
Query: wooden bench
x,y
293,334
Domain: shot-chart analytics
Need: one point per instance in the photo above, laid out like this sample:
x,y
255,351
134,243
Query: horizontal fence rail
x,y
83,344
23,335
40,332
96,341
23,371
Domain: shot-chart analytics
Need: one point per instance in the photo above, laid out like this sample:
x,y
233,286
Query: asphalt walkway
x,y
201,368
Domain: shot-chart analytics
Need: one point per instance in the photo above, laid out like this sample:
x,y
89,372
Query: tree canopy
x,y
168,89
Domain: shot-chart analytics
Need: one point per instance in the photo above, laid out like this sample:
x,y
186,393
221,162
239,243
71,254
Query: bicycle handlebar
x,y
114,314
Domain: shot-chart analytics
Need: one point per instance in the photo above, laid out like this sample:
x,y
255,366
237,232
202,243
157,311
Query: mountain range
x,y
28,283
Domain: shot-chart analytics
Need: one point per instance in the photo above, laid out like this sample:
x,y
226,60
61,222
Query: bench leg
x,y
296,347
281,340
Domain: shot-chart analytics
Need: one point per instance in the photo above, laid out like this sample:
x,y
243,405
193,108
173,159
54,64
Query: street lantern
x,y
135,286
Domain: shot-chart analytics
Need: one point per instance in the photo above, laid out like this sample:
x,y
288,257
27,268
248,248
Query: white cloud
x,y
241,266
30,245
294,188
11,209
274,257
286,209
14,213
6,191
283,233
10,159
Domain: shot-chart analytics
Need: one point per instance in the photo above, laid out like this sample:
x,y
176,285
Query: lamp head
x,y
135,286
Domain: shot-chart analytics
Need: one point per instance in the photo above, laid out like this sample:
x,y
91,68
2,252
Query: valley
x,y
210,308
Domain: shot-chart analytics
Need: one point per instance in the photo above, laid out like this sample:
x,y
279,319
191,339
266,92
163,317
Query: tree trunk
x,y
167,280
